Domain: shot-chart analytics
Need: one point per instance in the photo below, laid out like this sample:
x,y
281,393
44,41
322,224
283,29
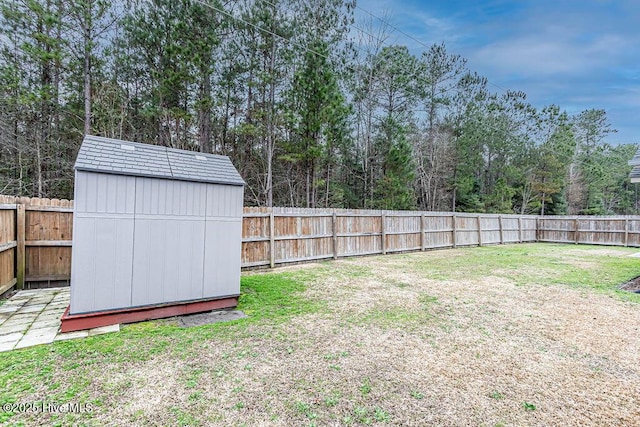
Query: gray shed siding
x,y
103,227
143,241
223,239
169,241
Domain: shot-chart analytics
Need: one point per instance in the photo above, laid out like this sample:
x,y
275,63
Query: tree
x,y
551,160
439,74
154,32
607,174
364,89
395,188
465,119
268,78
320,105
89,20
33,53
590,127
395,87
315,105
204,28
313,110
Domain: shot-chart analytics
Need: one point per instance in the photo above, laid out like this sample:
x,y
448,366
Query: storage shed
x,y
157,232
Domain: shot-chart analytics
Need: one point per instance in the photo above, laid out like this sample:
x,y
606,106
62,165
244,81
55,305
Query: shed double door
x,y
168,241
187,241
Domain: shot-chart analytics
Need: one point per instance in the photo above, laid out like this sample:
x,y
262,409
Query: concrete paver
x,y
32,308
47,312
31,340
10,329
10,337
35,332
32,317
104,330
6,346
20,319
71,335
45,324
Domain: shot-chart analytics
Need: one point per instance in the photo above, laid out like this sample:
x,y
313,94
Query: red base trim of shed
x,y
78,322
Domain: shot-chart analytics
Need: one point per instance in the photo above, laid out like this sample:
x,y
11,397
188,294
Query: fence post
x,y
501,230
519,230
423,240
577,226
453,220
272,255
384,233
20,248
538,228
479,231
626,232
335,236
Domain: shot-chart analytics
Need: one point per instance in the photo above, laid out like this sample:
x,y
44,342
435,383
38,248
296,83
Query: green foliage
x,y
394,190
308,119
365,388
497,395
607,174
318,115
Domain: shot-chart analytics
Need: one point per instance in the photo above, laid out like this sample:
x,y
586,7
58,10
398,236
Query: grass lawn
x,y
531,334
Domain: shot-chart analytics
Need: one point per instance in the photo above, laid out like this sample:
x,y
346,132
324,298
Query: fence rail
x,y
35,242
36,235
281,235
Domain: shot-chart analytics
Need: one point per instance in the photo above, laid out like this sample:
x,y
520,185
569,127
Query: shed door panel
x,y
168,260
222,258
101,263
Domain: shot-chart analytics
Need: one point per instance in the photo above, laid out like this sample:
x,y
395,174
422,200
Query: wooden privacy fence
x,y
282,235
612,231
35,235
35,241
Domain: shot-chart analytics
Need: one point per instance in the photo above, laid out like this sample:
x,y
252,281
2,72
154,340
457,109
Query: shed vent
x,y
128,147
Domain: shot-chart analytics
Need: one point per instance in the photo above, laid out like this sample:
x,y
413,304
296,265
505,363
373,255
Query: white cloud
x,y
535,57
578,55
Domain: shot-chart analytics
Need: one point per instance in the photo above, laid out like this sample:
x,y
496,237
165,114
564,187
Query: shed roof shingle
x,y
98,154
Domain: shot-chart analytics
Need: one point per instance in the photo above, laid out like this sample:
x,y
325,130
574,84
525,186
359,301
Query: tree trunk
x,y
204,112
271,142
328,177
308,186
453,200
86,33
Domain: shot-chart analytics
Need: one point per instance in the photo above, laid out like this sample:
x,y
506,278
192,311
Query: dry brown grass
x,y
398,347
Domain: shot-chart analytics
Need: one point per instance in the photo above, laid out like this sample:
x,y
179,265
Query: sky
x,y
575,54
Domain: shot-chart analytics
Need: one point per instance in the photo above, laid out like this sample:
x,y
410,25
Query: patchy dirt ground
x,y
412,340
632,285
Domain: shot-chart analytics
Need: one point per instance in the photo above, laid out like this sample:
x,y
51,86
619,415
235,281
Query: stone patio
x,y
32,317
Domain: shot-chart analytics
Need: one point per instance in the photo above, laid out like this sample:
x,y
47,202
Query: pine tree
x,y
317,107
395,189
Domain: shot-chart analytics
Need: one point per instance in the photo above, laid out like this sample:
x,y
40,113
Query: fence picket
x,y
274,236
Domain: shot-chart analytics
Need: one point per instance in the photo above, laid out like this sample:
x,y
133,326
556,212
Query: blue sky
x,y
576,54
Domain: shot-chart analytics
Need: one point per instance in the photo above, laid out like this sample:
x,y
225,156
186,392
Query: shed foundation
x,y
78,322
